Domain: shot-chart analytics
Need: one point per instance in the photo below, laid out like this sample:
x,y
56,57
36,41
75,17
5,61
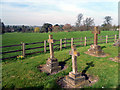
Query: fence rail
x,y
60,44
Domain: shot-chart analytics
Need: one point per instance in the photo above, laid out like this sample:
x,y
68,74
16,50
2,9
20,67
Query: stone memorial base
x,y
116,59
95,50
76,81
117,43
51,66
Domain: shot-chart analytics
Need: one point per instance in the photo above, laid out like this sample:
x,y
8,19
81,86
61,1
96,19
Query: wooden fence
x,y
58,45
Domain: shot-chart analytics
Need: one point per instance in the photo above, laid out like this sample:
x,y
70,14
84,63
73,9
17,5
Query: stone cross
x,y
50,41
74,54
95,32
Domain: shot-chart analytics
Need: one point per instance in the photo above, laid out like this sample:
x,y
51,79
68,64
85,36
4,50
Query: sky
x,y
38,12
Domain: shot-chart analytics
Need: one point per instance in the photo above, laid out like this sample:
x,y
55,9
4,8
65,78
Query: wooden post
x,y
60,44
115,37
44,46
106,38
23,49
100,38
81,39
85,41
65,42
71,42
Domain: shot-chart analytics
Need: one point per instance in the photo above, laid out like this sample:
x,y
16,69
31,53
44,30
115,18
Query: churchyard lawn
x,y
25,74
17,38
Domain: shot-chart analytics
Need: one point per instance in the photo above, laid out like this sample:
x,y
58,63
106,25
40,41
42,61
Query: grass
x,y
25,74
17,38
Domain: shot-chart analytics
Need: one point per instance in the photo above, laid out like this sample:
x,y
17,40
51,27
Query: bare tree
x,y
107,23
79,20
107,20
88,22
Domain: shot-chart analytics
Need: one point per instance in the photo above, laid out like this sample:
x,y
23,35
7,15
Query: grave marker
x,y
74,54
95,32
52,65
50,41
75,79
95,50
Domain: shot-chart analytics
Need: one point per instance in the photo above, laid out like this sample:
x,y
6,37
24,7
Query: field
x,y
17,38
25,74
17,74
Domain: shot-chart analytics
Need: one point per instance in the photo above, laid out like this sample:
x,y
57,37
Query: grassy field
x,y
25,74
17,38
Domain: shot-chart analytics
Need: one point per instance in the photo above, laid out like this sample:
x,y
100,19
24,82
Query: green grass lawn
x,y
17,38
17,74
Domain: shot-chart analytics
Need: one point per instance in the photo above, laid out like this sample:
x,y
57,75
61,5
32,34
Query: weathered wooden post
x,y
23,49
44,46
72,42
100,38
81,40
85,41
115,37
106,38
65,42
60,44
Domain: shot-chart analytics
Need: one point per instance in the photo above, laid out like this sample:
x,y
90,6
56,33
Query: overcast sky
x,y
38,12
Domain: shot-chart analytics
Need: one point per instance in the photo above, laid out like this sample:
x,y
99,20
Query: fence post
x,y
115,37
44,46
65,42
71,42
60,44
85,41
80,39
106,38
23,49
100,38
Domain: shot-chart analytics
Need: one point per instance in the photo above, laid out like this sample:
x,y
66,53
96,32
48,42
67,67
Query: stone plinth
x,y
75,80
116,59
96,50
117,43
52,65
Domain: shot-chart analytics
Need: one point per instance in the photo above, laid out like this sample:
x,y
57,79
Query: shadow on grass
x,y
103,47
62,63
118,86
86,69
